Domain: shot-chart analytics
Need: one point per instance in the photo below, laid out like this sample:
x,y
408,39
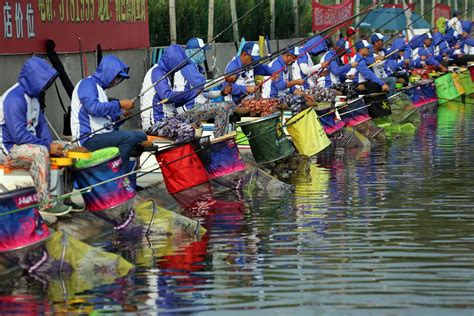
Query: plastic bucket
x,y
267,139
378,105
181,167
466,82
446,88
103,165
307,133
21,228
222,157
329,120
354,113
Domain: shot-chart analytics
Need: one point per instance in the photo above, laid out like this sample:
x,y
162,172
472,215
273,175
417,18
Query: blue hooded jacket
x,y
394,63
173,56
91,109
21,119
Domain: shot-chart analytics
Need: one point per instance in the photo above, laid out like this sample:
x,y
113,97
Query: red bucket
x,y
181,167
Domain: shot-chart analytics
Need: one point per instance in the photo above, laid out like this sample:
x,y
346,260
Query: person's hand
x,y
354,64
464,34
385,88
56,149
379,58
126,104
423,57
457,46
231,79
350,77
324,64
309,98
227,90
442,68
251,89
299,82
407,61
126,113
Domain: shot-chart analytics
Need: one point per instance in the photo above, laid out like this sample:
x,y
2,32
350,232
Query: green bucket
x,y
97,157
267,139
466,81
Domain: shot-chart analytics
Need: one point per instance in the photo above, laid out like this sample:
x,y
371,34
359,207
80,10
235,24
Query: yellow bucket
x,y
307,133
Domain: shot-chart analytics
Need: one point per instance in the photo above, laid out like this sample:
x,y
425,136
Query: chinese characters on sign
x,y
115,24
326,16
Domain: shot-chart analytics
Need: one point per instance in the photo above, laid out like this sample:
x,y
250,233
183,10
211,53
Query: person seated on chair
x,y
376,60
173,110
365,76
397,64
337,69
304,67
243,82
423,56
91,111
284,85
25,139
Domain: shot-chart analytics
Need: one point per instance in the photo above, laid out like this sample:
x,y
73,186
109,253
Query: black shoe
x,y
75,207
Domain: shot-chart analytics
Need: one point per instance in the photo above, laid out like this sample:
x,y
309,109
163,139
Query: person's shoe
x,y
57,209
75,207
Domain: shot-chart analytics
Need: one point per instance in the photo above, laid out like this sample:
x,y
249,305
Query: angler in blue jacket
x,y
397,64
304,66
179,116
365,75
284,84
424,54
25,140
243,83
92,110
337,70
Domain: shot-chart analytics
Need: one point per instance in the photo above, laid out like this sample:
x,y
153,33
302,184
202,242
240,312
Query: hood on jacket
x,y
417,41
172,57
437,38
108,69
36,76
397,45
314,46
467,26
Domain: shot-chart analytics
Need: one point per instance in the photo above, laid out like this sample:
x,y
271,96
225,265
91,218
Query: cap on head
x,y
351,31
195,43
456,13
252,49
377,37
362,44
295,51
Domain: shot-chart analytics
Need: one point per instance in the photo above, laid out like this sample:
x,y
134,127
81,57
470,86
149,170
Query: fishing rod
x,y
319,71
418,52
183,63
214,81
313,46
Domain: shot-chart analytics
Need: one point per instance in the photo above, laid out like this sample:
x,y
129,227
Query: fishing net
x,y
165,222
88,266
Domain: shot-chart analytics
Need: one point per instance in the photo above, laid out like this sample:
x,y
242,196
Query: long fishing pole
x,y
184,62
236,71
319,71
313,46
418,52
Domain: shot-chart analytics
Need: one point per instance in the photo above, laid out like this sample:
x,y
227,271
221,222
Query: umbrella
x,y
378,19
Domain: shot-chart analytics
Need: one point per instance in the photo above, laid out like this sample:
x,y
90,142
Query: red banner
x,y
326,16
442,10
115,24
412,6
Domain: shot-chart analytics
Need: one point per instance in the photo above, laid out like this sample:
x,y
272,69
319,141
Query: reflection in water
x,y
383,230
